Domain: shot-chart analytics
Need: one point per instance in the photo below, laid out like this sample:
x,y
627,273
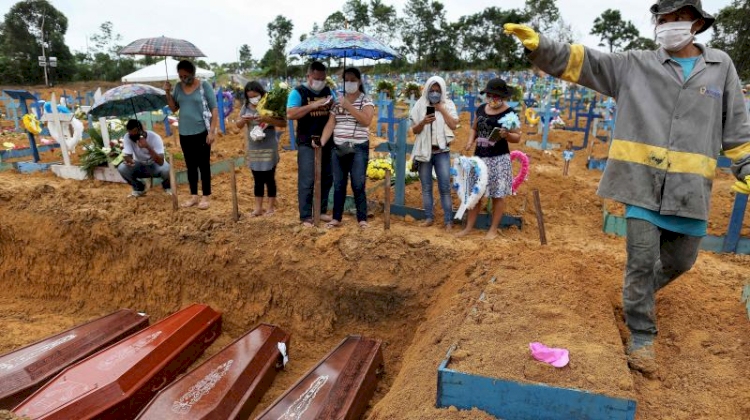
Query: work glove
x,y
742,187
528,37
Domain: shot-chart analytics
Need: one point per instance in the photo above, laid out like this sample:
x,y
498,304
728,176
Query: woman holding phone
x,y
262,148
491,140
433,119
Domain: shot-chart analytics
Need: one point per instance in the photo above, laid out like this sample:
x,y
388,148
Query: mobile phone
x,y
316,140
430,110
495,135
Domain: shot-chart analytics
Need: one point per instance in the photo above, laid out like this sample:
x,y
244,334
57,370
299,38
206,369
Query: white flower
x,y
106,149
283,85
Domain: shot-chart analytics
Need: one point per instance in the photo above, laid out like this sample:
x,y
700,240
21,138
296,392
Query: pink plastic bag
x,y
555,357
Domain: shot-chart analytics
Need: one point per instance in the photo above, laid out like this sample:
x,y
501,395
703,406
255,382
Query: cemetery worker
x,y
494,151
143,157
678,106
349,126
199,118
262,147
310,104
433,134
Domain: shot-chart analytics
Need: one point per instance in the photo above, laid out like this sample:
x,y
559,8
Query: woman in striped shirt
x,y
349,126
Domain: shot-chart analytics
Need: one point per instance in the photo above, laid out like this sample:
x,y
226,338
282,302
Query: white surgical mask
x,y
254,101
351,87
317,85
674,36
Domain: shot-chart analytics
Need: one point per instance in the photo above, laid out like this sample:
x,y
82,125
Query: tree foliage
x,y
613,31
730,34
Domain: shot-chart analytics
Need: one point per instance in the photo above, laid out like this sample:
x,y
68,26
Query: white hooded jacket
x,y
438,130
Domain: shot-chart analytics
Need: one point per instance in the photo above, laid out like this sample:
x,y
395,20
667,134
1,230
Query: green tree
x,y
642,43
614,32
482,42
730,35
246,58
420,31
357,14
279,33
102,60
28,26
383,19
542,14
335,21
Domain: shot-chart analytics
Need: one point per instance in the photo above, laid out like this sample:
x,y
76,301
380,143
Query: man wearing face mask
x,y
143,157
310,104
678,107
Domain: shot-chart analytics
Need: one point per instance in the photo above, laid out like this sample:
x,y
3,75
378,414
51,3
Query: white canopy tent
x,y
158,72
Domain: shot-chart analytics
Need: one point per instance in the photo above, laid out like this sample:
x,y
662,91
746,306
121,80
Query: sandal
x,y
363,225
203,205
269,212
255,213
307,223
333,224
325,218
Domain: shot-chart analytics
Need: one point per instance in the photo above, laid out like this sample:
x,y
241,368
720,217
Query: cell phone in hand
x,y
430,110
495,135
316,140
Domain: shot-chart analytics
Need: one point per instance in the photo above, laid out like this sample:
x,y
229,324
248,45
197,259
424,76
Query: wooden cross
x,y
62,122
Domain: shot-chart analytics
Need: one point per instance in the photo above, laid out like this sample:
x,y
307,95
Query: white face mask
x,y
674,36
254,101
317,85
351,87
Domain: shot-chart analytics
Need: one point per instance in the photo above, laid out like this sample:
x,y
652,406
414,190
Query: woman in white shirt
x,y
349,126
433,132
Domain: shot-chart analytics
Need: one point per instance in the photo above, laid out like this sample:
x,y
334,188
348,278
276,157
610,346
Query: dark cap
x,y
497,86
663,7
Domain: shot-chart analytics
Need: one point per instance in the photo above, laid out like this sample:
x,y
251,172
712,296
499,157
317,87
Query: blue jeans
x,y
354,164
306,179
144,170
442,164
655,258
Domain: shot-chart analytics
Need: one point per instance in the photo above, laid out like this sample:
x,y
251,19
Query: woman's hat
x,y
662,7
497,86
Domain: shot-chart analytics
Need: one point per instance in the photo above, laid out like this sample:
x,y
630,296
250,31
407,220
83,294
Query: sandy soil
x,y
71,251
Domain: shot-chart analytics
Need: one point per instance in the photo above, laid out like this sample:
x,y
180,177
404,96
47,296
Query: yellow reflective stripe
x,y
738,152
663,159
575,63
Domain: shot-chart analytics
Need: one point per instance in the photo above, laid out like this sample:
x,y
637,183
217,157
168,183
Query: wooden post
x,y
173,182
233,185
539,217
316,193
387,199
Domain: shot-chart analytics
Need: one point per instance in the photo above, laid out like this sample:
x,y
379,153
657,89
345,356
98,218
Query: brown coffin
x,y
227,386
119,381
339,387
24,370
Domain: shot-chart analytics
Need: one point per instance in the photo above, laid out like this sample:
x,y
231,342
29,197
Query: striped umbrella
x,y
162,46
346,44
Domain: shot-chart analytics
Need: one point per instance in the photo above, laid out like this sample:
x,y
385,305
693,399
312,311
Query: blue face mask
x,y
434,97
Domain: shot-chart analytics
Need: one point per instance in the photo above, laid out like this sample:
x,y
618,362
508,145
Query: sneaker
x,y
427,223
136,193
168,191
641,355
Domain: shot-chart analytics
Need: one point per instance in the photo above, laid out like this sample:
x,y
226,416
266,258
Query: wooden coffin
x,y
227,386
24,370
119,381
339,387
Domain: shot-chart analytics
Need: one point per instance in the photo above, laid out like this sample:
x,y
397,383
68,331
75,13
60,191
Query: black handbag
x,y
344,150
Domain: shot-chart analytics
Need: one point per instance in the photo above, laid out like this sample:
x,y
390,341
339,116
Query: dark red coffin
x,y
119,381
339,387
227,386
24,370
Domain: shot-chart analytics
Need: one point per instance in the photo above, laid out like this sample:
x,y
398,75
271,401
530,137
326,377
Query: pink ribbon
x,y
555,357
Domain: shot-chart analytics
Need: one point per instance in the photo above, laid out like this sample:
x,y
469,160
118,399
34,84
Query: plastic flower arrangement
x,y
387,87
96,154
376,167
411,89
274,103
510,121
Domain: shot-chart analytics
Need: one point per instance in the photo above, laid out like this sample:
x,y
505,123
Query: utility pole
x,y
44,55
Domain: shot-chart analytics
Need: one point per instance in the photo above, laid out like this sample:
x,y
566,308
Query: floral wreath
x,y
469,194
32,124
523,173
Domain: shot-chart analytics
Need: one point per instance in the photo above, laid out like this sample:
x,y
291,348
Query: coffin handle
x,y
210,338
161,385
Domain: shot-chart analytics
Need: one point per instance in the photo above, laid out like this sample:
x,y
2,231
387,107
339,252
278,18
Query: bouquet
x,y
411,89
387,87
273,104
510,121
96,153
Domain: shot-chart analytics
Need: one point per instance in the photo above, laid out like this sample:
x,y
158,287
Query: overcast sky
x,y
219,27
